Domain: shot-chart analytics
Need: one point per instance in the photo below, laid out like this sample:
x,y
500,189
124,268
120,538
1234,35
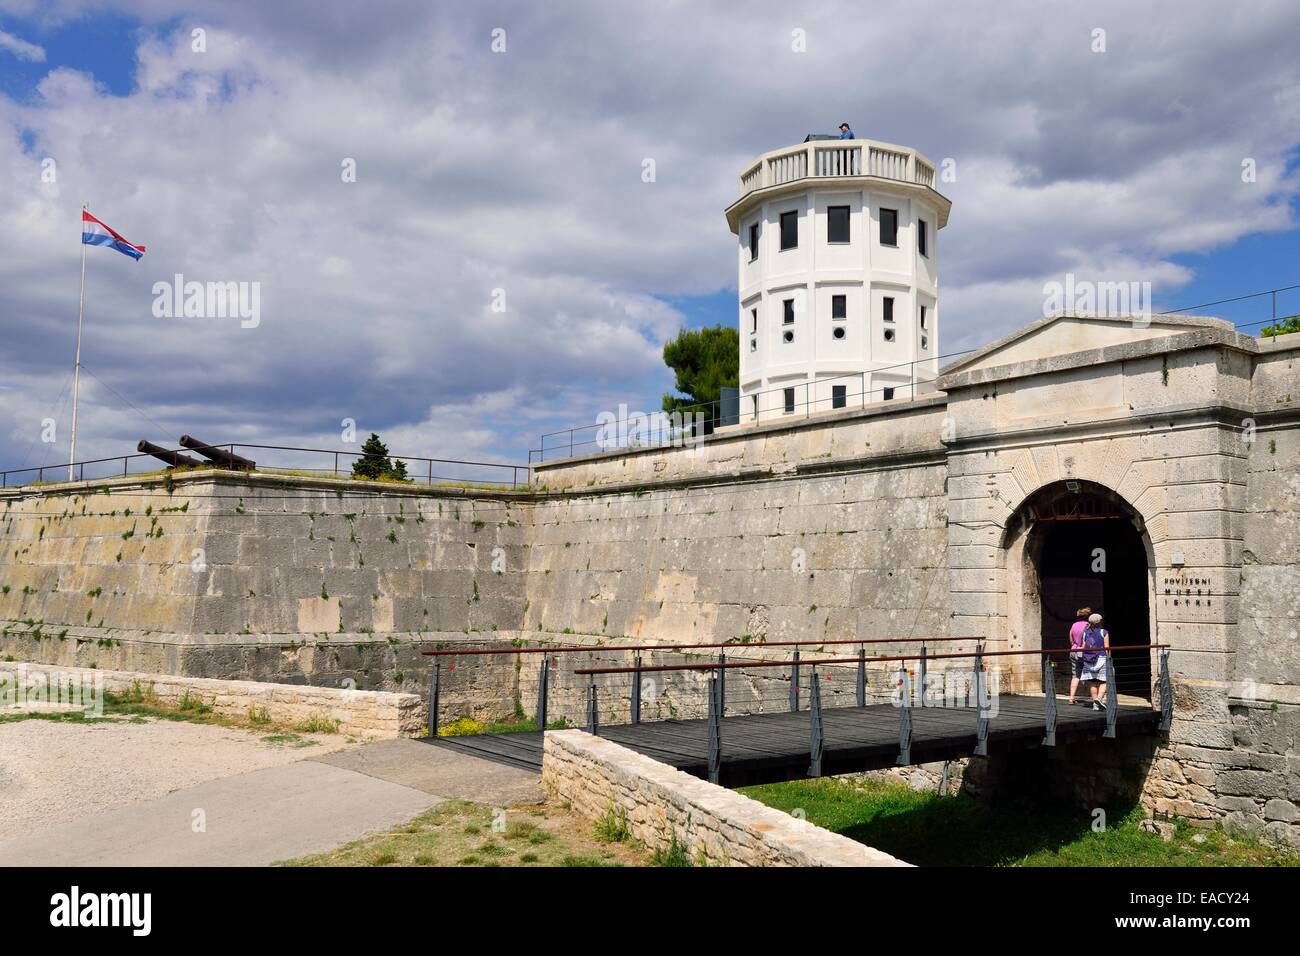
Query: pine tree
x,y
374,463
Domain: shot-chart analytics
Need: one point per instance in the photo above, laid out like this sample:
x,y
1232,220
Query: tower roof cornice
x,y
842,162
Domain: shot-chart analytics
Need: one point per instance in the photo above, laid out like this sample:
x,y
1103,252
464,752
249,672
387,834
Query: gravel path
x,y
53,773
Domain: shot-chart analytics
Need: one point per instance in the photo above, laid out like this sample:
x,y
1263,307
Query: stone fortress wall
x,y
901,519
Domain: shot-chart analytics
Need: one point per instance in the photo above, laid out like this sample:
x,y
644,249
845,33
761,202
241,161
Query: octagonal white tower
x,y
839,277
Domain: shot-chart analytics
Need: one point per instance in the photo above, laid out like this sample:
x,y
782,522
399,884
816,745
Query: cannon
x,y
218,456
173,458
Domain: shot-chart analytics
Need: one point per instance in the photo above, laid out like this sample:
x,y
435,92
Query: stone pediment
x,y
1068,333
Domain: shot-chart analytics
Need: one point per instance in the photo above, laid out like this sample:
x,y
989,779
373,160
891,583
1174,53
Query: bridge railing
x,y
550,692
913,687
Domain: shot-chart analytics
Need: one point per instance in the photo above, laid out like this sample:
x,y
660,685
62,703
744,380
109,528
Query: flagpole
x,y
76,373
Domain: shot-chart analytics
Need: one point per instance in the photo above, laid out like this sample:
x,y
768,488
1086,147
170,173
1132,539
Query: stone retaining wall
x,y
716,826
366,714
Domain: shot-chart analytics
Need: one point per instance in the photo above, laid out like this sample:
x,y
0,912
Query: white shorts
x,y
1096,670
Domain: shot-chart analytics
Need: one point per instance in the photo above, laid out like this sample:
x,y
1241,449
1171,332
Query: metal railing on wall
x,y
281,460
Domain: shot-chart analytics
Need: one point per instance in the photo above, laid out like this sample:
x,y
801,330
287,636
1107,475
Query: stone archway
x,y
1073,544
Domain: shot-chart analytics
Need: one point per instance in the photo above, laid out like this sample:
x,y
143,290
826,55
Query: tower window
x,y
787,311
837,224
753,345
888,308
889,394
889,335
925,342
839,307
753,321
753,241
922,238
922,316
839,396
889,227
837,332
789,401
789,230
787,336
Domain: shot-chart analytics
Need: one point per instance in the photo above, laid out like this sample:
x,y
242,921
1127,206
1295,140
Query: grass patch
x,y
468,726
459,833
674,854
613,826
930,830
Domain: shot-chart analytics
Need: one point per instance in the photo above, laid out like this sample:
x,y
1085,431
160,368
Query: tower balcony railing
x,y
823,159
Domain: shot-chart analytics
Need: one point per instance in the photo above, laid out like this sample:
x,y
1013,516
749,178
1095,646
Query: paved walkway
x,y
276,813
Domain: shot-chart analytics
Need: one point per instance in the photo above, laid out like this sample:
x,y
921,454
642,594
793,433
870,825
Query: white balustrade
x,y
820,160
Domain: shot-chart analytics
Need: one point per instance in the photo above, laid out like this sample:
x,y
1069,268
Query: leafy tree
x,y
1290,324
374,463
706,361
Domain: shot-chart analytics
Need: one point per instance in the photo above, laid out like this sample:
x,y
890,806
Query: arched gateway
x,y
1074,544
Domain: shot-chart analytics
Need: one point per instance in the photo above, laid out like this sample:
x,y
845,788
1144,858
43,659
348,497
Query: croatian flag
x,y
95,233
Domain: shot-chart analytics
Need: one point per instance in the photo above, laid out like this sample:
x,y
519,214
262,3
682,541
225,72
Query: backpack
x,y
1094,640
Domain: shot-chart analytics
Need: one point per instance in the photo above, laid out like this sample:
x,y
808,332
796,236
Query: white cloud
x,y
521,172
21,48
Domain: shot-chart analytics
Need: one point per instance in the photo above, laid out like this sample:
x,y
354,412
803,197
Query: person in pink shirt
x,y
1076,648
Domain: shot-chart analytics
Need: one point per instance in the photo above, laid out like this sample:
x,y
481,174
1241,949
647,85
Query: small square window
x,y
789,230
789,401
753,242
888,308
753,345
787,336
889,335
922,238
839,396
837,332
839,307
889,227
889,394
837,224
925,342
787,311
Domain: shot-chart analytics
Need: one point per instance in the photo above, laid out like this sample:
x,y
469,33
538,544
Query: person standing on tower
x,y
845,132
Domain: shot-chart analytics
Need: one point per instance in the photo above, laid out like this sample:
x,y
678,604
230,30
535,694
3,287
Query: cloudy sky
x,y
520,169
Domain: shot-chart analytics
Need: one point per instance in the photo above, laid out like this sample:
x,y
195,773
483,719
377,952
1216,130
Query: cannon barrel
x,y
218,456
173,458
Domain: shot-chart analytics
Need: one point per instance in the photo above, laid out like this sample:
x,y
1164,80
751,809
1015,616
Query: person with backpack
x,y
1096,642
1076,649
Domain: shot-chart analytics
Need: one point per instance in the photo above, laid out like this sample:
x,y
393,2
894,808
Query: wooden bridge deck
x,y
766,748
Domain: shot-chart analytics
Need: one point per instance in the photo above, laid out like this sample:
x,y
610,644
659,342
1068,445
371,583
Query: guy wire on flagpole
x,y
76,374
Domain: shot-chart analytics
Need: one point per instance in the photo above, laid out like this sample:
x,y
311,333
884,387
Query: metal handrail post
x,y
981,718
815,743
636,690
1166,694
1049,703
862,677
794,682
543,685
715,733
1112,695
434,692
